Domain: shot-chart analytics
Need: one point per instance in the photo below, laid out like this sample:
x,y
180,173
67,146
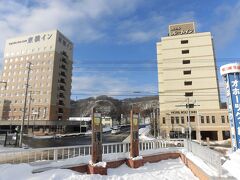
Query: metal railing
x,y
209,156
67,152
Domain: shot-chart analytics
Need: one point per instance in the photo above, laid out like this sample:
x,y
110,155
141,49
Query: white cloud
x,y
100,84
152,27
84,20
229,26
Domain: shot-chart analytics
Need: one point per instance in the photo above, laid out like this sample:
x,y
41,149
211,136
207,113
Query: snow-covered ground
x,y
6,149
169,169
233,164
144,134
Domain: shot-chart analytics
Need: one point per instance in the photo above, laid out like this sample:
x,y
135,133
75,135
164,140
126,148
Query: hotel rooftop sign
x,y
181,29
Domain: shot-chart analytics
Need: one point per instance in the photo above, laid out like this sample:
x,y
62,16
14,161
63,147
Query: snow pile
x,y
136,158
7,149
233,164
105,129
99,164
225,143
200,163
18,171
43,137
144,134
168,169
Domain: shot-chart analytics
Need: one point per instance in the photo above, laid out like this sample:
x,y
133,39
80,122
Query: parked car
x,y
115,130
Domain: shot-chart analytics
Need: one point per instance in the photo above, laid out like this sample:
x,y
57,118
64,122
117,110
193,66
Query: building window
x,y
186,72
163,120
185,51
187,83
182,120
184,41
223,119
177,120
172,120
227,119
207,118
213,119
188,94
192,118
202,119
186,61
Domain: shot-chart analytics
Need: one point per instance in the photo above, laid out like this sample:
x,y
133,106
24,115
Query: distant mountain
x,y
112,107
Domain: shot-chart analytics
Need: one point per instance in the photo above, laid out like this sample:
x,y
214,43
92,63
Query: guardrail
x,y
61,153
209,156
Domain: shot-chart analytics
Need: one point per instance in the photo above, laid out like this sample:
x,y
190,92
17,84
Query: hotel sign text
x,y
181,29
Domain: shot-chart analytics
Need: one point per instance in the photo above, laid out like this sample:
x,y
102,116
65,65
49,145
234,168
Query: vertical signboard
x,y
231,77
134,150
96,137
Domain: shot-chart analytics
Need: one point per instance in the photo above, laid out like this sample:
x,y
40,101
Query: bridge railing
x,y
209,156
67,152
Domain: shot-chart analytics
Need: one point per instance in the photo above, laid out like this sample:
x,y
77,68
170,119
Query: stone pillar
x,y
96,145
134,161
96,137
134,139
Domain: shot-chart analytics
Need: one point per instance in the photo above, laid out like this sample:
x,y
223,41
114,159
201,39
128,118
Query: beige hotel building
x,y
50,57
187,72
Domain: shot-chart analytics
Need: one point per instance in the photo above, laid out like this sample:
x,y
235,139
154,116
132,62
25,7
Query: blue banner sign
x,y
231,77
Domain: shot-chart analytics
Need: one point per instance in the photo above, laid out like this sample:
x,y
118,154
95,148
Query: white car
x,y
115,130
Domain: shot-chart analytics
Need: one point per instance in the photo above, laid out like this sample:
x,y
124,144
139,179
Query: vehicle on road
x,y
115,130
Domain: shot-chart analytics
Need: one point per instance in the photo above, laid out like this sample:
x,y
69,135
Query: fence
x,y
209,156
61,153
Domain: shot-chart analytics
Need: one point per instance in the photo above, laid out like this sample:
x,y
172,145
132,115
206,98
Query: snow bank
x,y
105,129
136,158
7,149
99,164
144,134
167,169
233,164
200,163
43,137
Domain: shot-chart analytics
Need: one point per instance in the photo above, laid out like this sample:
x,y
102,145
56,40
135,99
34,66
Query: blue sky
x,y
114,40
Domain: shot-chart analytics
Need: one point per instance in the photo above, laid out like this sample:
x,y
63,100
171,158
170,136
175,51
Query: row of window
x,y
23,86
204,119
23,65
36,100
29,51
23,94
21,79
40,70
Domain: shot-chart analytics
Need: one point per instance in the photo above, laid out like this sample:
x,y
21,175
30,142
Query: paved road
x,y
76,140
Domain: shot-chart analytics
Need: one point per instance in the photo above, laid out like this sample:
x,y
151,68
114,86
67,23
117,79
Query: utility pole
x,y
188,106
189,125
25,104
29,106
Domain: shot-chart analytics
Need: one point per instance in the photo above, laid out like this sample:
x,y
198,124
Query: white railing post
x,y
124,148
55,154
